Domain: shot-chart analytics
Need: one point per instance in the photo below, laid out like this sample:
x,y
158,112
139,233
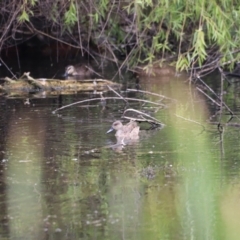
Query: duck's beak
x,y
110,130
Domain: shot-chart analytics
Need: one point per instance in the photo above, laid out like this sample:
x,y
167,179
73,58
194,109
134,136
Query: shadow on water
x,y
61,179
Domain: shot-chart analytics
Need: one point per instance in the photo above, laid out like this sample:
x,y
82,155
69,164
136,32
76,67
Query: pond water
x,y
62,179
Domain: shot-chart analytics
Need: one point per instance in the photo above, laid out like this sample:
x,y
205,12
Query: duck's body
x,y
81,71
127,132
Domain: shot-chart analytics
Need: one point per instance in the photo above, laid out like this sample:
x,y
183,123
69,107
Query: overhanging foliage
x,y
197,35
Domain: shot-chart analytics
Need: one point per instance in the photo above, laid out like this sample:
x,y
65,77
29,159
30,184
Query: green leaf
x,y
24,17
70,16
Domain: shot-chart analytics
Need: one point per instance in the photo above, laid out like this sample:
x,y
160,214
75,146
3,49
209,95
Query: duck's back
x,y
129,131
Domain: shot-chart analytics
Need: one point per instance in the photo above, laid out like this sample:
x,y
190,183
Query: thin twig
x,y
222,103
151,119
117,94
151,93
200,90
189,120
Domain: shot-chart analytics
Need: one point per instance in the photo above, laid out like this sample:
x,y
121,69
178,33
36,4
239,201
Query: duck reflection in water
x,y
125,134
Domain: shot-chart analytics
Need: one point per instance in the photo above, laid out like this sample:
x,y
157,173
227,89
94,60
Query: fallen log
x,y
28,84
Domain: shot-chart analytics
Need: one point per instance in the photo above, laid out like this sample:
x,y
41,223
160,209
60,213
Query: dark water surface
x,y
61,179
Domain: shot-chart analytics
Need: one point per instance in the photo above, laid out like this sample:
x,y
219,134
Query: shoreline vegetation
x,y
196,36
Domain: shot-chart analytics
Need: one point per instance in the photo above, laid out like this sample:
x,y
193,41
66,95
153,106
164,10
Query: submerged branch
x,y
105,98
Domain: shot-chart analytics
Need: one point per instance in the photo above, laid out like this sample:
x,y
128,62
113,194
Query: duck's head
x,y
70,71
115,126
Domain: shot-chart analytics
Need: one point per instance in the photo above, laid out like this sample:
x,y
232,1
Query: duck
x,y
127,132
81,71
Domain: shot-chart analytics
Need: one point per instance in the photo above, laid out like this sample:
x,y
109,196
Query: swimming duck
x,y
128,132
81,71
